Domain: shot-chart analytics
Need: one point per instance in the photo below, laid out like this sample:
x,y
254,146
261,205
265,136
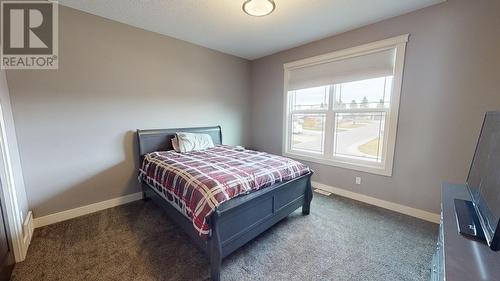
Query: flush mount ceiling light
x,y
258,8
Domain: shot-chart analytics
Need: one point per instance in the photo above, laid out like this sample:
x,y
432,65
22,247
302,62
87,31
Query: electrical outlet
x,y
358,180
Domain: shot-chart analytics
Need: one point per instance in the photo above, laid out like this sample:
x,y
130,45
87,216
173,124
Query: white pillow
x,y
189,141
175,144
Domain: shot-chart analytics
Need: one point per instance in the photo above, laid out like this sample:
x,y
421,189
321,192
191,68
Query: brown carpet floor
x,y
340,240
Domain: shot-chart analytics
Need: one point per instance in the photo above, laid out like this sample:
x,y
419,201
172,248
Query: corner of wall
x,y
13,190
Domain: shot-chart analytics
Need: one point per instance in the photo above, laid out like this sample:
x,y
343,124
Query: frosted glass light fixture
x,y
258,8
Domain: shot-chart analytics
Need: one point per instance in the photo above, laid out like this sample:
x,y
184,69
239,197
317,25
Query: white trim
x,y
385,168
390,144
13,216
28,229
84,210
372,169
417,213
346,53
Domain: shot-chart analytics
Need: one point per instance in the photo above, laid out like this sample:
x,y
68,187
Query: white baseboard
x,y
84,210
28,228
421,214
92,208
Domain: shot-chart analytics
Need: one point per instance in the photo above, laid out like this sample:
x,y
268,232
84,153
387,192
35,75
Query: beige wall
x,y
75,125
451,78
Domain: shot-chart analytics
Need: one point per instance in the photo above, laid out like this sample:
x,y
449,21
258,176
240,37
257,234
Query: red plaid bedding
x,y
197,182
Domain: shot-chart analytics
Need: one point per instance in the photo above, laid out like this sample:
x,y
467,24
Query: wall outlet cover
x,y
358,180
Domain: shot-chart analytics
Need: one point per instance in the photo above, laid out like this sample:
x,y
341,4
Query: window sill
x,y
383,171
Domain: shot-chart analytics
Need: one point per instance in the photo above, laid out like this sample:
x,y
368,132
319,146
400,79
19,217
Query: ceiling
x,y
223,26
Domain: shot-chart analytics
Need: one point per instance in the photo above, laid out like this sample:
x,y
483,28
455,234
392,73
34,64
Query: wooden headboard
x,y
160,140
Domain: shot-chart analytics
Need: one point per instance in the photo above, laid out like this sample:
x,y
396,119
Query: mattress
x,y
197,182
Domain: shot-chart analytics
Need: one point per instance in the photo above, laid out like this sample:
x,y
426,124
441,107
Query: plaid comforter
x,y
197,182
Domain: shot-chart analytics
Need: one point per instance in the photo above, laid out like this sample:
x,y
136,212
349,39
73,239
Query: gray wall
x,y
451,78
75,125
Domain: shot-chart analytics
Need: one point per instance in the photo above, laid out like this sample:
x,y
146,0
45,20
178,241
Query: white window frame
x,y
397,43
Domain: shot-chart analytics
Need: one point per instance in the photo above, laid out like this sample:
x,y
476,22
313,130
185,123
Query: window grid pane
x,y
309,99
308,132
359,136
363,94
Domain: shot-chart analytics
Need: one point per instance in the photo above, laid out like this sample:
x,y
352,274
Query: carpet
x,y
341,239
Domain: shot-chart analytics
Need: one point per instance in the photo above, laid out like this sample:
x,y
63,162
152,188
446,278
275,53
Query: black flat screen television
x,y
483,180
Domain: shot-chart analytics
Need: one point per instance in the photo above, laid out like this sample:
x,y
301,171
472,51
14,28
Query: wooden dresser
x,y
458,258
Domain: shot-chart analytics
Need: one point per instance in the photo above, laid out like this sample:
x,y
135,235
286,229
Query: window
x,y
341,108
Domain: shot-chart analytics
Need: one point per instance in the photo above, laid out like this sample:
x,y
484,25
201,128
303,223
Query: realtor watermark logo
x,y
29,35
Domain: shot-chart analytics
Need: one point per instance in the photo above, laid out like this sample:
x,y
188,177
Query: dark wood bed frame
x,y
237,221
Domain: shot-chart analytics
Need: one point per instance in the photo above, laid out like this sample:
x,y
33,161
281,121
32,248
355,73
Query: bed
x,y
234,222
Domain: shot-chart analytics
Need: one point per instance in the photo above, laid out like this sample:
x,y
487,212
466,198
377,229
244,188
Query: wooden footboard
x,y
237,221
241,219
